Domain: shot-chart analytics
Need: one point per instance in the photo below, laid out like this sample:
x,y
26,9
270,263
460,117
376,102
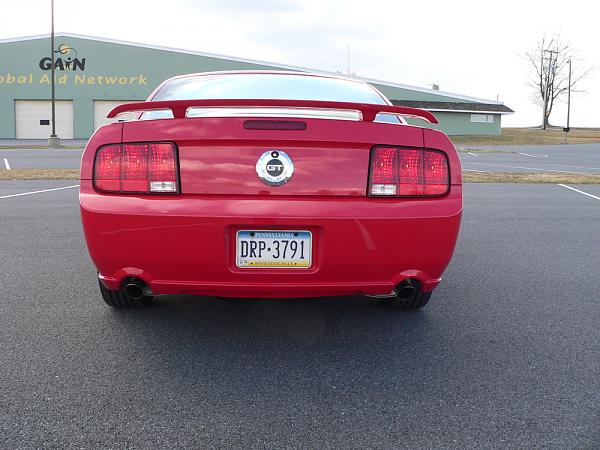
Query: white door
x,y
33,118
103,107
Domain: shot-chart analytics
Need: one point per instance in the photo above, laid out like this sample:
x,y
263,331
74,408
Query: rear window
x,y
268,86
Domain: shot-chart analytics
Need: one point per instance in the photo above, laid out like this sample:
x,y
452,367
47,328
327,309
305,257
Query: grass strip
x,y
39,174
532,136
527,177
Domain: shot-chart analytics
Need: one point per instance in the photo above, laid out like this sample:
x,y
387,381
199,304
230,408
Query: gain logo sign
x,y
68,60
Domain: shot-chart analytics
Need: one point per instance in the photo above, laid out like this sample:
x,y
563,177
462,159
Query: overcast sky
x,y
469,47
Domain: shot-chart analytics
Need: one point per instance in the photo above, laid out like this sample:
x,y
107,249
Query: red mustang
x,y
272,185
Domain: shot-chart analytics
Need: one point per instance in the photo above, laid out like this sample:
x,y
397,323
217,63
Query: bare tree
x,y
550,58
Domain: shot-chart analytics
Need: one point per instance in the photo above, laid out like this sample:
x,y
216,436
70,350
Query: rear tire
x,y
419,301
118,299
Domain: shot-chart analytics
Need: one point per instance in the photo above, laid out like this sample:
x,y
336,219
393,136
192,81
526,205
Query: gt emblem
x,y
274,168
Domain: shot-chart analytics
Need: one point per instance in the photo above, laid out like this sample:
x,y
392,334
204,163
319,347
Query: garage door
x,y
33,117
103,107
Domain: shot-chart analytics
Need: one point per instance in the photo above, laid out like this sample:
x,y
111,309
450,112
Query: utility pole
x,y
568,127
53,140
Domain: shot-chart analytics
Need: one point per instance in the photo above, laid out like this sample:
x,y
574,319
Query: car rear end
x,y
178,205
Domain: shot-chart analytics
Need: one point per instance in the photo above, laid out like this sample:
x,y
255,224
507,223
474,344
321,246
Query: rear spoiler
x,y
368,110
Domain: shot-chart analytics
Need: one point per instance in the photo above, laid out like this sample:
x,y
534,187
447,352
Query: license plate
x,y
273,249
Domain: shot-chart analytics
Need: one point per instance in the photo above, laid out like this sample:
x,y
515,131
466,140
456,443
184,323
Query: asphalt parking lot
x,y
32,154
40,158
571,158
504,356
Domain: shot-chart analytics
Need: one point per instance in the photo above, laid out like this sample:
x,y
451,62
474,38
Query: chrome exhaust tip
x,y
136,289
392,294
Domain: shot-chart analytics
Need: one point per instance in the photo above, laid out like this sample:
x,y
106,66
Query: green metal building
x,y
93,75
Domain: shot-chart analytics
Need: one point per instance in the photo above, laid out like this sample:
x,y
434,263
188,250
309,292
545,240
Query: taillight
x,y
384,171
136,168
404,172
436,177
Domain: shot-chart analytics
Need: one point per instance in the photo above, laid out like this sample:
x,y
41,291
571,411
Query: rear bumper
x,y
186,244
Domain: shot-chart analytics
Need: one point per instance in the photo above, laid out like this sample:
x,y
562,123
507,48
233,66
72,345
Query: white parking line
x,y
478,171
533,156
581,192
6,164
39,192
532,168
472,154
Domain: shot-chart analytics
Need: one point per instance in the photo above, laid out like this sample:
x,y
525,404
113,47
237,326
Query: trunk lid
x,y
218,156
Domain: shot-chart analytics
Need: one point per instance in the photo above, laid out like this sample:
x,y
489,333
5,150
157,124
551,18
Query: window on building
x,y
482,118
